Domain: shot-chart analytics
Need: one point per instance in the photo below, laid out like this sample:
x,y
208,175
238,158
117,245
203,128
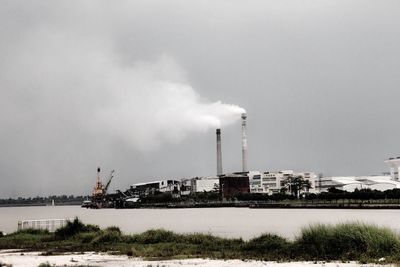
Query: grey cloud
x,y
319,80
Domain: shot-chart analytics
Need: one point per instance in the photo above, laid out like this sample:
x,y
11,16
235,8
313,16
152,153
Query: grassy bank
x,y
354,241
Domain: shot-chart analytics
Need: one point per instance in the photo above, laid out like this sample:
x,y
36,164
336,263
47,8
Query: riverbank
x,y
34,259
344,242
76,203
236,204
296,204
62,200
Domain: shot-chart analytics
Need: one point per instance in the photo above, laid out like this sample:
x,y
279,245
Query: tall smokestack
x,y
219,153
244,143
98,174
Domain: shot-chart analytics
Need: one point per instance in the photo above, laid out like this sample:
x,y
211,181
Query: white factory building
x,y
351,183
373,182
199,184
271,182
150,188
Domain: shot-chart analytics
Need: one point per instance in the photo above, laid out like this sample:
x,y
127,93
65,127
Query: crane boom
x,y
109,181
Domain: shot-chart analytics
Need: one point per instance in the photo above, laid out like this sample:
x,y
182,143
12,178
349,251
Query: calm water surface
x,y
227,222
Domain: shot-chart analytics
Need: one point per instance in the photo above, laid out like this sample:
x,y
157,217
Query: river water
x,y
226,222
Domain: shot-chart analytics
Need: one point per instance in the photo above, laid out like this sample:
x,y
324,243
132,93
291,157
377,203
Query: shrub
x,y
347,241
91,228
199,238
156,236
32,231
314,241
107,237
24,238
75,227
86,238
268,244
113,228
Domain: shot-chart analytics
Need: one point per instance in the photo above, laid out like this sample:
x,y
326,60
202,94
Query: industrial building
x,y
272,182
351,183
348,183
199,184
264,182
205,184
373,182
232,184
261,182
153,188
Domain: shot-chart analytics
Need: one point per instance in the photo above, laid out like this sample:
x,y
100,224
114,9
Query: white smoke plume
x,y
150,104
71,98
143,103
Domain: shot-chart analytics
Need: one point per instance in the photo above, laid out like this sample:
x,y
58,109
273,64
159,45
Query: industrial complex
x,y
228,185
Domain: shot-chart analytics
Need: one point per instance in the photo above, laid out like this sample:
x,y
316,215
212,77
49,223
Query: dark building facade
x,y
230,185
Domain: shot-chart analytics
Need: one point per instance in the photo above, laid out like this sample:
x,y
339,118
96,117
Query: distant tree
x,y
311,196
296,184
392,194
283,189
335,190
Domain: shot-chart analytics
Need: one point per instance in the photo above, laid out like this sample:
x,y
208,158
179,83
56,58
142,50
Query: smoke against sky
x,y
148,104
63,88
135,86
145,102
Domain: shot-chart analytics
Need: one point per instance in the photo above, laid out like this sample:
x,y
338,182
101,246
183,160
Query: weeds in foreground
x,y
347,241
74,227
350,241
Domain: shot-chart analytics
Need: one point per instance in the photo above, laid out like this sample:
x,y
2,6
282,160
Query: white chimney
x,y
219,153
244,143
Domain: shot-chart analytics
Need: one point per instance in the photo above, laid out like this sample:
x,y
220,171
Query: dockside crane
x,y
100,191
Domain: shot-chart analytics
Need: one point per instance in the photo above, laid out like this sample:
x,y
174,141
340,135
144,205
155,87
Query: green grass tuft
x,y
113,229
75,227
107,237
156,236
347,241
269,246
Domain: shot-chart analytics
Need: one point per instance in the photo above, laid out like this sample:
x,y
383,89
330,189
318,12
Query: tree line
x,y
63,199
331,194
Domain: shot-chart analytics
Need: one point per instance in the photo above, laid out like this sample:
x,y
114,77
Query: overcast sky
x,y
140,86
